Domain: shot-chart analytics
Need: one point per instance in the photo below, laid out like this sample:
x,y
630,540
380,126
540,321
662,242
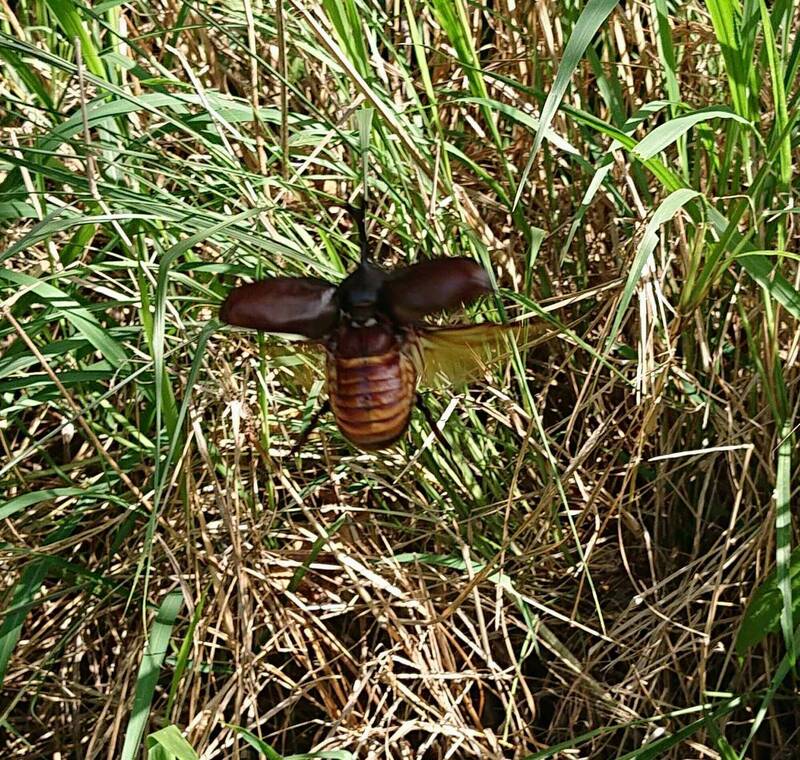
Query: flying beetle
x,y
370,326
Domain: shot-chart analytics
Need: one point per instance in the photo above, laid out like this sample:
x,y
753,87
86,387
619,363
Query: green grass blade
x,y
606,163
524,119
778,97
74,26
452,16
345,19
673,203
422,61
590,20
165,398
765,609
29,76
761,269
23,597
257,744
385,109
191,380
184,652
783,535
316,548
666,134
658,748
726,17
784,668
66,307
666,50
169,744
24,591
12,506
154,653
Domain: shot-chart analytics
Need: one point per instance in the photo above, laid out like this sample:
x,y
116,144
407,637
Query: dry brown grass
x,y
623,522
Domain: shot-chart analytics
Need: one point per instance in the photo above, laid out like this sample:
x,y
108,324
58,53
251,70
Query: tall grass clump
x,y
601,563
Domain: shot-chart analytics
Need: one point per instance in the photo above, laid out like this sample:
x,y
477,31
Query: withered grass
x,y
568,577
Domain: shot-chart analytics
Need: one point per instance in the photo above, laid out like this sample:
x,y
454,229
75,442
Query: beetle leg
x,y
326,407
431,422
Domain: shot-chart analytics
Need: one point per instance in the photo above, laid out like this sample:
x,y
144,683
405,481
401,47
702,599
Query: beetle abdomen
x,y
372,396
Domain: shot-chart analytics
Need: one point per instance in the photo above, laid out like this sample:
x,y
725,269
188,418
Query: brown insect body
x,y
370,326
372,379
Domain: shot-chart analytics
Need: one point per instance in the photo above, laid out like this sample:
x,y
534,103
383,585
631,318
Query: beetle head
x,y
359,294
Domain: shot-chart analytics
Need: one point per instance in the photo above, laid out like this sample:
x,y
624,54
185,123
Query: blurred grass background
x,y
601,565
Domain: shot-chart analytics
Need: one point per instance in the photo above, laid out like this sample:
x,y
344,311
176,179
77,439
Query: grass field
x,y
601,562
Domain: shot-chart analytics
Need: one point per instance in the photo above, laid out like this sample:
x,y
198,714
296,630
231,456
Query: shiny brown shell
x,y
299,305
411,293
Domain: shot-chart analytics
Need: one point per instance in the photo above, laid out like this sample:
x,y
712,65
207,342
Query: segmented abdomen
x,y
372,396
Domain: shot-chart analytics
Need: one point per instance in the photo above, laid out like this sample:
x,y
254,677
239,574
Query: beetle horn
x,y
359,216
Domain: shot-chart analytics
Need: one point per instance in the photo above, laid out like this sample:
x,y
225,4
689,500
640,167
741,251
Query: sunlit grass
x,y
571,574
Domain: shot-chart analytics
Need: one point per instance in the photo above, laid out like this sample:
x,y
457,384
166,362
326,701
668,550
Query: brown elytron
x,y
372,382
372,331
